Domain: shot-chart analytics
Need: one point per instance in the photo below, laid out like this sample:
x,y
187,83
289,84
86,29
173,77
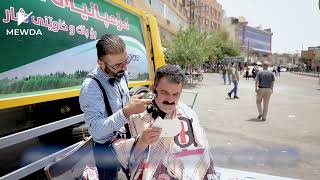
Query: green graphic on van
x,y
65,53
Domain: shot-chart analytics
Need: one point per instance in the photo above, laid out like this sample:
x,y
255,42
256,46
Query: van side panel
x,y
52,51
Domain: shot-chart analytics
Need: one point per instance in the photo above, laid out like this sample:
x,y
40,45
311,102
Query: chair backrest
x,y
73,163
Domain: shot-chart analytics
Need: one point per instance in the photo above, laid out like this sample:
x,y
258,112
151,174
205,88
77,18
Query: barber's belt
x,y
265,87
118,135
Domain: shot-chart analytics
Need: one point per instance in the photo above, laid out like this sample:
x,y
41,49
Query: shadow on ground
x,y
255,120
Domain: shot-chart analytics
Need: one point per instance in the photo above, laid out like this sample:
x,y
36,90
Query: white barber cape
x,y
185,156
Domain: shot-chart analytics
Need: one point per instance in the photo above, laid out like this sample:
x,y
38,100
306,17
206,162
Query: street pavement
x,y
287,144
307,74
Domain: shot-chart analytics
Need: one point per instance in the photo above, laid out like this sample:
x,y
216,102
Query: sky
x,y
294,23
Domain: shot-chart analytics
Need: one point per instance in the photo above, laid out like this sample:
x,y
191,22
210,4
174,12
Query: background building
x,y
311,57
206,14
173,15
287,60
255,42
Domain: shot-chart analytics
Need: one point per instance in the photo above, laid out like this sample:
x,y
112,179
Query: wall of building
x,y
310,56
208,15
230,25
255,39
173,15
288,60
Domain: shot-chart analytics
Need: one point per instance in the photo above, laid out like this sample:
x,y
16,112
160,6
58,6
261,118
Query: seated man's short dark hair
x,y
172,72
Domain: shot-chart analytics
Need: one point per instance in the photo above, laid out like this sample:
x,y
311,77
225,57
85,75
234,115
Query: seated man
x,y
148,155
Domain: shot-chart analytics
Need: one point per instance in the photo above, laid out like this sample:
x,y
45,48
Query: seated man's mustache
x,y
168,103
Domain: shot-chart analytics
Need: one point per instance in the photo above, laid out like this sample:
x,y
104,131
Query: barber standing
x,y
104,99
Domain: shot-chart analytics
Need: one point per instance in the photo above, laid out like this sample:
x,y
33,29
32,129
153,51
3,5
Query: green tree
x,y
317,58
220,46
189,47
192,47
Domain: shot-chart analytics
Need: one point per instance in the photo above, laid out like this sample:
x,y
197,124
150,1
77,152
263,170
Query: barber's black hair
x,y
172,72
110,44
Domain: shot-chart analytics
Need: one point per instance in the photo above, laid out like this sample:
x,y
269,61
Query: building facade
x,y
173,15
311,57
285,59
206,15
255,43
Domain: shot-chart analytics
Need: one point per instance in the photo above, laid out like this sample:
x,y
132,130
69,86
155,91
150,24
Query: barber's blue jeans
x,y
106,162
235,88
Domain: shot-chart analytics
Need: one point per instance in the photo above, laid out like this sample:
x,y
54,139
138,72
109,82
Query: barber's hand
x,y
150,135
136,105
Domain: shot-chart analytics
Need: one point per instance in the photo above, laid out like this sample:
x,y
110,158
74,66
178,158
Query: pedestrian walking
x,y
229,71
247,73
254,70
224,75
274,71
264,88
235,80
278,70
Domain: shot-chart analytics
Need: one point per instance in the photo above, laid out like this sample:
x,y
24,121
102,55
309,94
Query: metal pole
x,y
199,19
189,13
248,49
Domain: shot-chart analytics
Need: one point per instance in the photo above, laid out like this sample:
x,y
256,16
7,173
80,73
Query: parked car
x,y
259,68
283,69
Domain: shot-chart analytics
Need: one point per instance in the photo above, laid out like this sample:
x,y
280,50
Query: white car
x,y
270,69
283,69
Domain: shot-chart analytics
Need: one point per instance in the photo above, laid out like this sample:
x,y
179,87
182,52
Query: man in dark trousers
x,y
104,99
264,89
235,80
279,70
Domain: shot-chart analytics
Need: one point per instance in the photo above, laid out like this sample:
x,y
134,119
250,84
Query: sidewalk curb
x,y
303,74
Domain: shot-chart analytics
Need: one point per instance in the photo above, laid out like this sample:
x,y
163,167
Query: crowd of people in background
x,y
264,81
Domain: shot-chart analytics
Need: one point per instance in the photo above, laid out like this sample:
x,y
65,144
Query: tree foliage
x,y
317,57
221,46
189,47
194,47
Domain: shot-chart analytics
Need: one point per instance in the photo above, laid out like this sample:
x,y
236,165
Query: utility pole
x,y
248,49
191,12
190,17
192,7
200,17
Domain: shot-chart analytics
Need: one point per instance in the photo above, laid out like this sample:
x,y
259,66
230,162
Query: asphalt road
x,y
287,144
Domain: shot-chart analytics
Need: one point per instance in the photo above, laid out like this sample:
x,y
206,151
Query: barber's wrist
x,y
126,112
